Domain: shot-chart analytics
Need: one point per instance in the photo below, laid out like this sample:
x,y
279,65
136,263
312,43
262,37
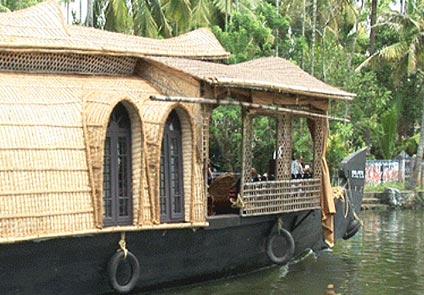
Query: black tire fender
x,y
273,239
353,228
113,265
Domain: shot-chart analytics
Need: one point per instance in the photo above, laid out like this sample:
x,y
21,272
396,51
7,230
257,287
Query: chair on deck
x,y
220,191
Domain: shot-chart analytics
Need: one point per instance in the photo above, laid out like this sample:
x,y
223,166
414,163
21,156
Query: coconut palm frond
x,y
247,6
179,11
221,5
144,23
117,18
368,62
393,52
162,21
412,58
201,13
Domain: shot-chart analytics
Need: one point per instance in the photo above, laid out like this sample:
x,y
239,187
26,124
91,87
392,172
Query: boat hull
x,y
78,265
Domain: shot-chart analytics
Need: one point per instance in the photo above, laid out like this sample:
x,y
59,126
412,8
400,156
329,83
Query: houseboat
x,y
104,158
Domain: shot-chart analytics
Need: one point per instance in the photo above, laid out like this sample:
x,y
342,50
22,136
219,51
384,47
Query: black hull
x,y
230,245
78,265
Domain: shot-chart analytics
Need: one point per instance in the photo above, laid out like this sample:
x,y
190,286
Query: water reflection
x,y
385,257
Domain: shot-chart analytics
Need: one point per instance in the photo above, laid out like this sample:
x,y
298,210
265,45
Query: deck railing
x,y
280,196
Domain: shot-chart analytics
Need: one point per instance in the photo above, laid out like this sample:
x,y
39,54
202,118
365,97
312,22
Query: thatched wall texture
x,y
51,153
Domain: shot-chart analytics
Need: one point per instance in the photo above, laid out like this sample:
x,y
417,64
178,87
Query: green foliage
x,y
389,120
410,144
302,140
256,33
226,138
380,187
4,9
372,100
264,142
117,17
247,37
339,145
12,5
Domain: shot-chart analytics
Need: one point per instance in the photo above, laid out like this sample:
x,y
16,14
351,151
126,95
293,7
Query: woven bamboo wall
x,y
172,82
44,183
167,80
97,110
51,156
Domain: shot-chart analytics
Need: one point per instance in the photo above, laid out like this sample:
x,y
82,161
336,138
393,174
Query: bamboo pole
x,y
242,104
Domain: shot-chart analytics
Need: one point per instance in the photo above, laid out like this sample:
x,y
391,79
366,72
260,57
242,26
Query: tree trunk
x,y
373,21
303,31
89,21
420,151
314,29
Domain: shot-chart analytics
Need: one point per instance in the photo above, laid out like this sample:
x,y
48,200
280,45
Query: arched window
x,y
171,172
117,197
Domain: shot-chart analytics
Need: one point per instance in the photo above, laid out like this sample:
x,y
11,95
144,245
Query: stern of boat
x,y
349,193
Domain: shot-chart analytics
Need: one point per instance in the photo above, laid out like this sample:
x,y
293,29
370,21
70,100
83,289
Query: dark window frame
x,y
171,197
117,170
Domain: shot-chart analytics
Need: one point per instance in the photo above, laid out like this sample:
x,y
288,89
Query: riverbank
x,y
392,198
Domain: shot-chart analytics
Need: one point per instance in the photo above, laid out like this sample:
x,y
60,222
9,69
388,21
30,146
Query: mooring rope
x,y
237,203
123,245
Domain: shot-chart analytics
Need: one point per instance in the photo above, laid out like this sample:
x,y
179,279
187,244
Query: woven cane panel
x,y
247,147
66,63
32,114
206,116
32,160
281,196
43,204
16,228
199,206
97,109
169,82
318,140
55,181
284,153
41,137
187,153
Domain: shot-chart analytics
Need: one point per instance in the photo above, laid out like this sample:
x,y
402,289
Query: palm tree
x,y
407,58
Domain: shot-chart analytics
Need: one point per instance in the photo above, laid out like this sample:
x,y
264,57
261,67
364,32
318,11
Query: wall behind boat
x,y
386,171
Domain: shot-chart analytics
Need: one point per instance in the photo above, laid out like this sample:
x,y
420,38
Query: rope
x,y
353,210
339,193
280,224
123,245
237,203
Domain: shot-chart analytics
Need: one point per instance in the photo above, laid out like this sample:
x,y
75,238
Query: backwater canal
x,y
385,258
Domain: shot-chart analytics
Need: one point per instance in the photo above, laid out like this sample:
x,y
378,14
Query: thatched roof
x,y
41,28
269,73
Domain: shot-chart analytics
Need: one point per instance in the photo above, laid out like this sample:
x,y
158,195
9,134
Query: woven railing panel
x,y
272,197
66,63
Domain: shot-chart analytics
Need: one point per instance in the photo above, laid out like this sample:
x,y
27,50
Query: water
x,y
386,257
